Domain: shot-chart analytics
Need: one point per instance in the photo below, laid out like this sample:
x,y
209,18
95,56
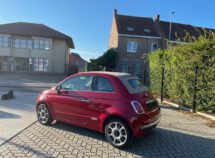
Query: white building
x,y
33,48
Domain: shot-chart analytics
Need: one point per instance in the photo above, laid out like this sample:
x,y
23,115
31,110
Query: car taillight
x,y
137,107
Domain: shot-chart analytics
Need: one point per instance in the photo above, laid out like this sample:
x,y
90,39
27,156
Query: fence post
x,y
162,77
194,90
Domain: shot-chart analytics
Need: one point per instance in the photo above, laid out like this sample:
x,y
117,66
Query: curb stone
x,y
187,109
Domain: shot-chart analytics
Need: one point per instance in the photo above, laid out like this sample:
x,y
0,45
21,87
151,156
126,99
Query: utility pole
x,y
170,25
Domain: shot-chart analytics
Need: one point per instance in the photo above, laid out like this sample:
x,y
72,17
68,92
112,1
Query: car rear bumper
x,y
150,125
144,124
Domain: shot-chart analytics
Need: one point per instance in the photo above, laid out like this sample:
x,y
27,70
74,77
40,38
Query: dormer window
x,y
147,30
130,29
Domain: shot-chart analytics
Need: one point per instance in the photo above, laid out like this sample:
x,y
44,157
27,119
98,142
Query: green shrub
x,y
179,64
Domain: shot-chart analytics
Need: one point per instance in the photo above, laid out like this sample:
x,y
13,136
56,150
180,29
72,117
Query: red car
x,y
116,104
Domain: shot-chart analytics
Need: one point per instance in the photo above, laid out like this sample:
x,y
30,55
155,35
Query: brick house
x,y
77,62
136,37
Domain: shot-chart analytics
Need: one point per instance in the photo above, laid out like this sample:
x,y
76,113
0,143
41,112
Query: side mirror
x,y
58,89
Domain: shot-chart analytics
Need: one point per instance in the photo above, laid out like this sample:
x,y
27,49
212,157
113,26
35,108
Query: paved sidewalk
x,y
178,135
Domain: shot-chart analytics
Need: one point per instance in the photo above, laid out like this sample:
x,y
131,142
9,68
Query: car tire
x,y
44,114
118,133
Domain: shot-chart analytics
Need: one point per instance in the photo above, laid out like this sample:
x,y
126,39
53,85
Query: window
x,y
36,44
131,47
82,83
17,43
41,44
47,45
137,67
40,65
22,43
137,86
4,41
135,83
130,29
22,64
147,30
124,66
29,44
154,47
103,85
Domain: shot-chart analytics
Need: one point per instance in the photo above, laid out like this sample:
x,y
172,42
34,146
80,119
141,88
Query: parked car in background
x,y
116,104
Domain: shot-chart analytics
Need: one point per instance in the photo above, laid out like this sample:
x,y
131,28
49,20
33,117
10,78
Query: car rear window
x,y
133,84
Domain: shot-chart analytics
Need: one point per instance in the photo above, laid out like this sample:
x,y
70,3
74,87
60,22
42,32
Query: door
x,y
94,103
70,103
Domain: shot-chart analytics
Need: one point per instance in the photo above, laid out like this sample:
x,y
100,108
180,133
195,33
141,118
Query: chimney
x,y
157,18
115,12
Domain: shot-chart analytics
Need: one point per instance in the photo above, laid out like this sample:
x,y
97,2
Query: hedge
x,y
179,64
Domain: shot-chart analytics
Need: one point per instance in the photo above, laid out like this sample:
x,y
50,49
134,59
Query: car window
x,y
78,83
135,83
103,85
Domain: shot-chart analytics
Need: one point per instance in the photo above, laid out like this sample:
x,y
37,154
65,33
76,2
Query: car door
x,y
69,104
98,101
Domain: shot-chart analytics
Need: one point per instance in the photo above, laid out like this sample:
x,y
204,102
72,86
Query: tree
x,y
105,62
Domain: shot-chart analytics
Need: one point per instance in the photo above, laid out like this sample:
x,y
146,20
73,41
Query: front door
x,y
70,104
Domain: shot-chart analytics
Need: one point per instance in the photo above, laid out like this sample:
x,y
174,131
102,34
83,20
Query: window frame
x,y
130,50
37,66
152,44
95,82
4,42
41,44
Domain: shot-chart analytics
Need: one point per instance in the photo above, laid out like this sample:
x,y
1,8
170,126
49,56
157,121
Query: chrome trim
x,y
151,124
150,101
94,118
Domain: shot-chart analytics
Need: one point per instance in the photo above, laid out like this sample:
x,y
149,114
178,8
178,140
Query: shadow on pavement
x,y
8,115
159,143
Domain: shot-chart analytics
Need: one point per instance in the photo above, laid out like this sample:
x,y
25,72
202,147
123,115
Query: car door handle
x,y
85,100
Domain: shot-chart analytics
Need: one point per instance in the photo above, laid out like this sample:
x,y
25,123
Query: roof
x,y
117,74
139,24
32,29
76,56
179,31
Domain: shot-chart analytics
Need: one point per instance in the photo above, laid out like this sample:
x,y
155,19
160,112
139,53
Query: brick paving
x,y
178,135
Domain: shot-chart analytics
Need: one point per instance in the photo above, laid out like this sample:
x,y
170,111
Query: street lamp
x,y
162,64
170,25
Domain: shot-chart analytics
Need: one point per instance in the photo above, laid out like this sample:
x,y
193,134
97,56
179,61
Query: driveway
x,y
18,113
178,135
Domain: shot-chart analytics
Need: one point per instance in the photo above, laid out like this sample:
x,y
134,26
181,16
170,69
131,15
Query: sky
x,y
88,22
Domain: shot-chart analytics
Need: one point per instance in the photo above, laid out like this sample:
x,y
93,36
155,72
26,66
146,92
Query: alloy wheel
x,y
117,133
43,114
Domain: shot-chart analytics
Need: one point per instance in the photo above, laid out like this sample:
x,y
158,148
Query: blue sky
x,y
88,22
